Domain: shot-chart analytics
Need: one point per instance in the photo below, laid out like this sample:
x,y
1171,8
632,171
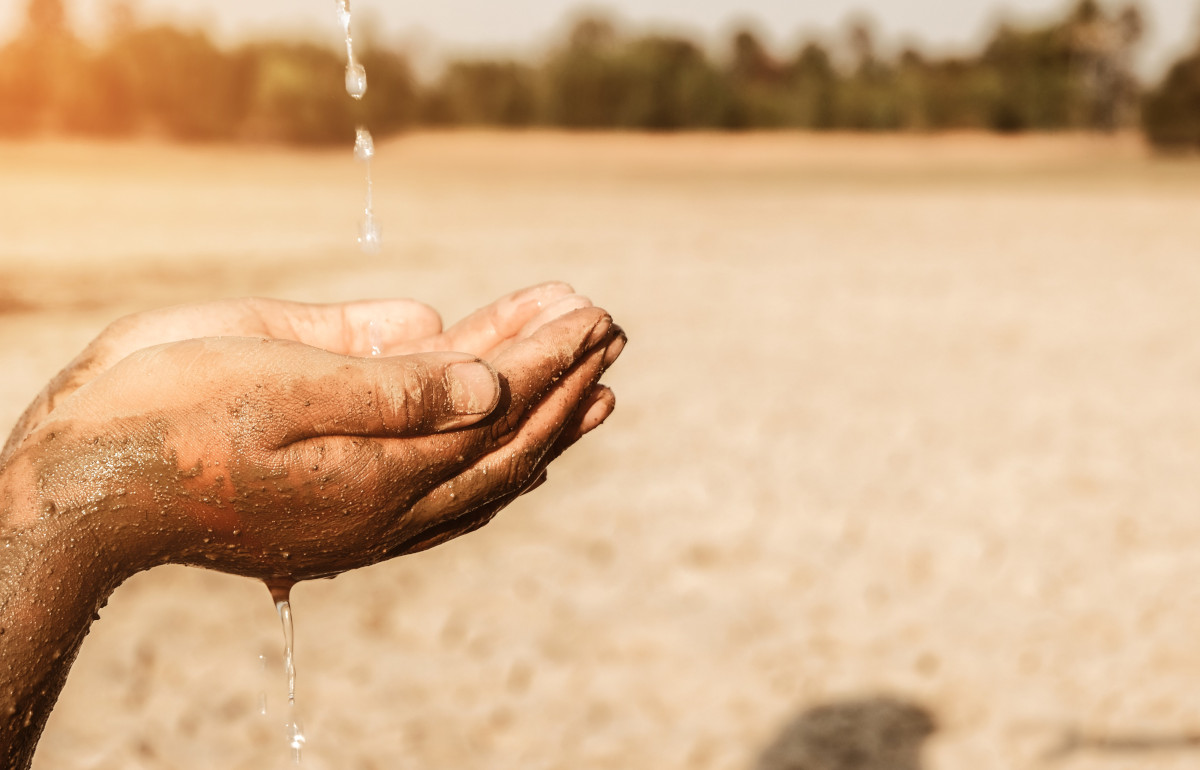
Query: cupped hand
x,y
279,460
384,327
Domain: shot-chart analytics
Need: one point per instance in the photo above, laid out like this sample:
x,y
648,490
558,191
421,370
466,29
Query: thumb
x,y
388,397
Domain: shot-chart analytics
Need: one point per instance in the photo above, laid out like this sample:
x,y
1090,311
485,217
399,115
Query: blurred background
x,y
121,70
903,472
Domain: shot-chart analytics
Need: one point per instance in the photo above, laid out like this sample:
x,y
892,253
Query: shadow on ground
x,y
873,733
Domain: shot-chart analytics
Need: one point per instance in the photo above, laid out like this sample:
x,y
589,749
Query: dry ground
x,y
916,418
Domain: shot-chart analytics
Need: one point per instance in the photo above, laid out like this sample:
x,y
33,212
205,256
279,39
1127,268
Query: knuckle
x,y
416,396
402,400
519,470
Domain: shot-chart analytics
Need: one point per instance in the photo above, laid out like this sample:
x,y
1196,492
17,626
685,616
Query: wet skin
x,y
255,438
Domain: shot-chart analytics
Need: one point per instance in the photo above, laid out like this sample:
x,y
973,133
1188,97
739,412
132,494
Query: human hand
x,y
278,460
394,327
271,457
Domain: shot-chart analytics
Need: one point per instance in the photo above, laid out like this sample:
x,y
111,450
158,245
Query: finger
x,y
341,328
464,524
545,363
362,328
554,310
483,330
385,397
590,415
590,412
615,347
478,490
531,367
512,468
542,478
452,529
595,410
548,361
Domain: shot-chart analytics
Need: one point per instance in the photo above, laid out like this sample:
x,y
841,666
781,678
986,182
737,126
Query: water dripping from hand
x,y
281,594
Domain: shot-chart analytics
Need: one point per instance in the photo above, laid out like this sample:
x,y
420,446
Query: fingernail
x,y
613,351
599,332
474,389
595,416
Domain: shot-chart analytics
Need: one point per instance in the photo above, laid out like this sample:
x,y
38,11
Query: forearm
x,y
53,579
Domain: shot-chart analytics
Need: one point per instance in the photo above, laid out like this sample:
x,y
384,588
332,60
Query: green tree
x,y
586,80
492,93
1171,112
812,88
297,94
182,85
394,102
759,92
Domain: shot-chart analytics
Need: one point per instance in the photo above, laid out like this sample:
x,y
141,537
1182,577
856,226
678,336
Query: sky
x,y
440,27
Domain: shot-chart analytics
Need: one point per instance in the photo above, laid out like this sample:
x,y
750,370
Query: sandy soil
x,y
905,457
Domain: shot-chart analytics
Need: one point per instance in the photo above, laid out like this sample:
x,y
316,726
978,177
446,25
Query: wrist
x,y
77,537
53,581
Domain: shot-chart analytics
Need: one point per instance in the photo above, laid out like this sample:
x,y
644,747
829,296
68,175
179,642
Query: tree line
x,y
1075,73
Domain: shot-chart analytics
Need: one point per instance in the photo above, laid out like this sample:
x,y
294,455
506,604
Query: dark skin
x,y
257,438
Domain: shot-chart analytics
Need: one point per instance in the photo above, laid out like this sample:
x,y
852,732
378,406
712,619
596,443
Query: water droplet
x,y
369,236
375,337
364,144
262,694
356,80
296,737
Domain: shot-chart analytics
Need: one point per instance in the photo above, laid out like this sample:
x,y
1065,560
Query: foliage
x,y
1171,114
1075,73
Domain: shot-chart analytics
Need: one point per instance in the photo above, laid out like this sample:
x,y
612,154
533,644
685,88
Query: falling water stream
x,y
364,151
368,240
281,595
364,145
